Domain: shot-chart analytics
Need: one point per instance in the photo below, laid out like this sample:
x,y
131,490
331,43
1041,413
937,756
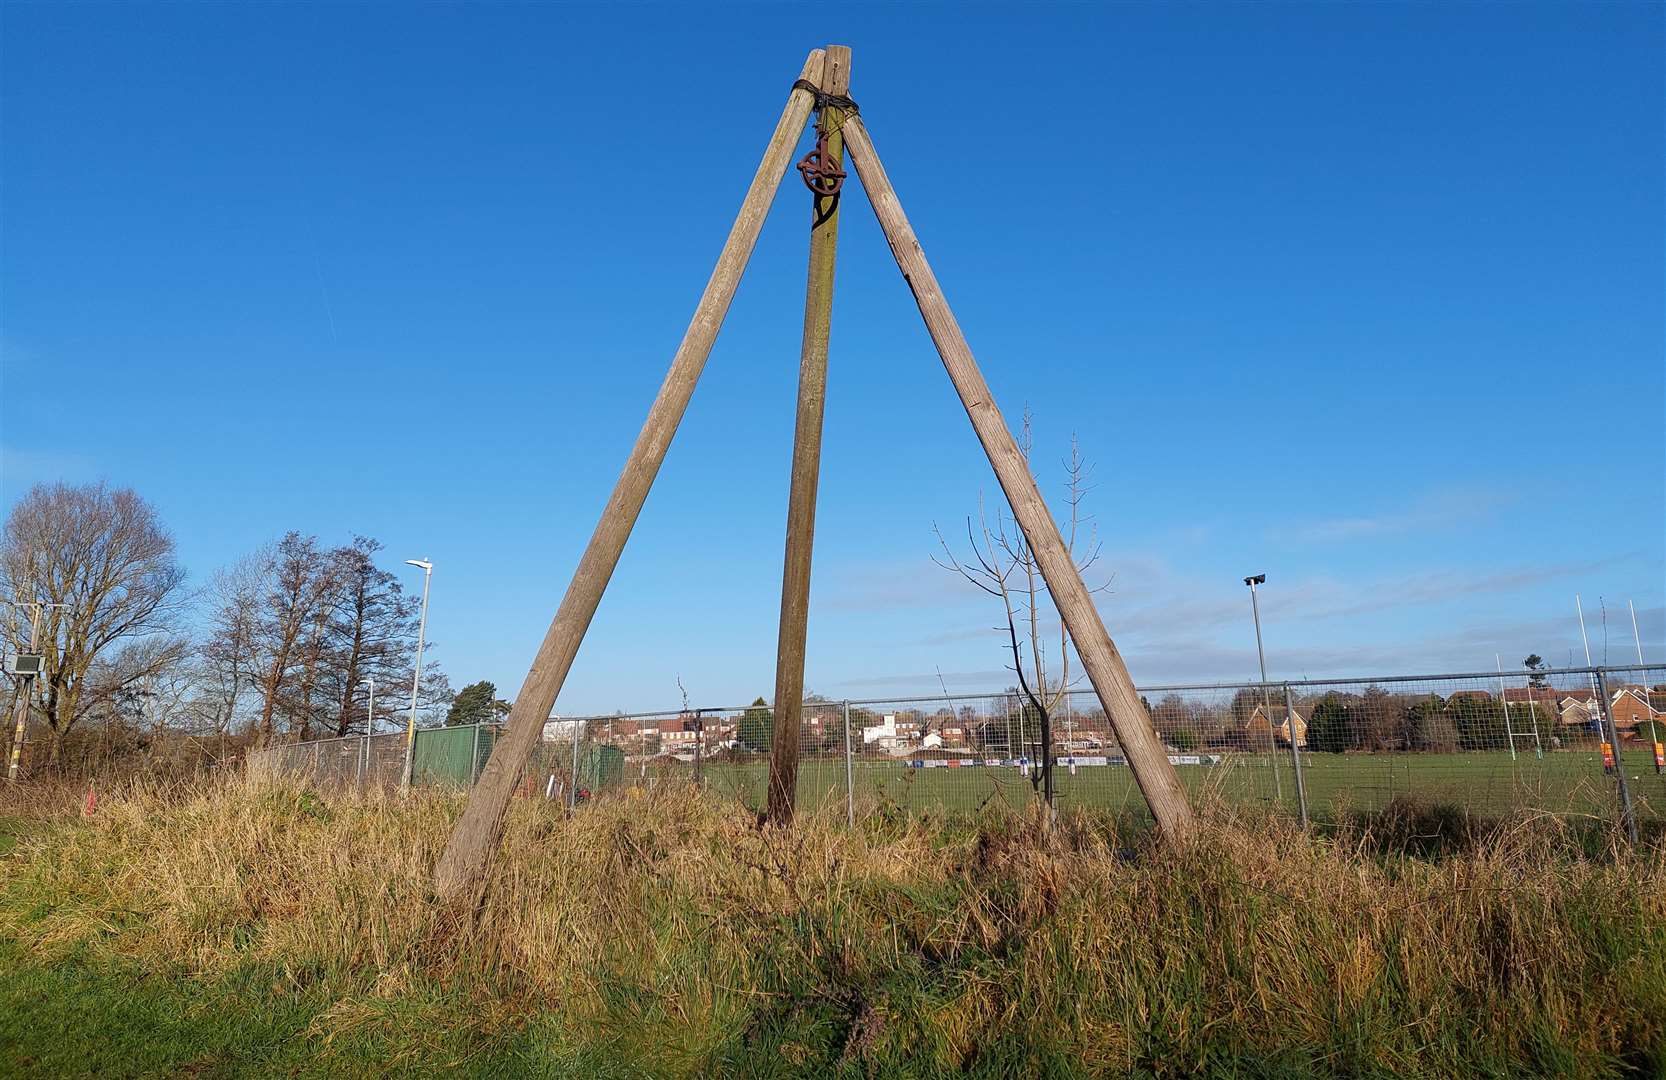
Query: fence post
x,y
1628,817
572,789
474,757
850,782
364,753
1295,751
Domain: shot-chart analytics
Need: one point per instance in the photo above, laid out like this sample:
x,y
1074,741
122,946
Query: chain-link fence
x,y
449,755
1568,742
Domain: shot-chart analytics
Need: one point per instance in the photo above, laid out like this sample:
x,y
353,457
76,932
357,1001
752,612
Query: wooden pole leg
x,y
1146,755
462,868
806,461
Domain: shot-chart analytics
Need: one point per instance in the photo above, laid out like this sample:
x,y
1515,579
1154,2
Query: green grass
x,y
259,930
1561,782
81,1017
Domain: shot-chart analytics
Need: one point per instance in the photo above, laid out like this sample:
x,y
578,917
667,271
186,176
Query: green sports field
x,y
1561,782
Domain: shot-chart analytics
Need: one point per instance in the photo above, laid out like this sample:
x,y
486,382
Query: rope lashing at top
x,y
821,176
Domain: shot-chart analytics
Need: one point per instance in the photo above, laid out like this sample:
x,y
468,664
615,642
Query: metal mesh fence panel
x,y
1570,742
362,762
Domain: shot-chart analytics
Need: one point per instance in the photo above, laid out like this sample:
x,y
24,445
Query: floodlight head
x,y
421,564
1258,579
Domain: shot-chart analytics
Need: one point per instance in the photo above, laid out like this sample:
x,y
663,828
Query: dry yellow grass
x,y
671,933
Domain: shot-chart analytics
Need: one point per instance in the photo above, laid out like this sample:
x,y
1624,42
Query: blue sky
x,y
1366,297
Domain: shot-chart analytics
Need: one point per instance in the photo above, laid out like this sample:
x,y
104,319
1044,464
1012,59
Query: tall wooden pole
x,y
1145,753
462,868
806,463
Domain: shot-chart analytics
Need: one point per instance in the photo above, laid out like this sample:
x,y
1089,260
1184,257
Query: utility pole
x,y
824,174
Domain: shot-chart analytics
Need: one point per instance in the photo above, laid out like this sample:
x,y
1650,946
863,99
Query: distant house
x,y
1272,722
1577,710
1631,706
883,734
557,728
1548,696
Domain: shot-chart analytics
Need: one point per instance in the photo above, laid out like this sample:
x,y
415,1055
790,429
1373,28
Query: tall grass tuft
x,y
674,937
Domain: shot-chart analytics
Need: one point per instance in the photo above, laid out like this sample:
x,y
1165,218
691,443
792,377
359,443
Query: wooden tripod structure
x,y
462,868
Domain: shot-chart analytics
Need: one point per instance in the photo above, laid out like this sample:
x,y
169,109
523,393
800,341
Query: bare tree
x,y
372,633
304,628
313,647
297,584
104,560
1003,565
230,655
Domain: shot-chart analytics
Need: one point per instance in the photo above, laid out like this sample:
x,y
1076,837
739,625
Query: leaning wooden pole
x,y
1145,753
806,461
462,868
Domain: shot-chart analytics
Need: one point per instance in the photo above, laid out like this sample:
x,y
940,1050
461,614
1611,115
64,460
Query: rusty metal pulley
x,y
820,174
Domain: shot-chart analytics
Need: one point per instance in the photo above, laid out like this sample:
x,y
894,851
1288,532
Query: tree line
x,y
285,643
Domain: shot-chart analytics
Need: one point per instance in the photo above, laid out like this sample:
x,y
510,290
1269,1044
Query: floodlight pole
x,y
1266,702
427,569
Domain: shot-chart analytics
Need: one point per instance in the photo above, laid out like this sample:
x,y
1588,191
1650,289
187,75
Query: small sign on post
x,y
25,665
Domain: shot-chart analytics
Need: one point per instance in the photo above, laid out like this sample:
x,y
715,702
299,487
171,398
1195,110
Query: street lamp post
x,y
369,729
427,569
26,685
1266,703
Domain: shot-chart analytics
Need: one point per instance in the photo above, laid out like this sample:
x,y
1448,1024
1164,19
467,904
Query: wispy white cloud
x,y
1440,510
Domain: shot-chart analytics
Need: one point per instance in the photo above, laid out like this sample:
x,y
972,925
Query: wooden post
x,y
1146,756
806,462
462,868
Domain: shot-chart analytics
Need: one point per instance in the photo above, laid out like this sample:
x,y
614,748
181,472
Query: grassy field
x,y
1563,782
256,930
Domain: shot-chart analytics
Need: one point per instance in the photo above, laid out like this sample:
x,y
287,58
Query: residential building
x,y
1272,721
